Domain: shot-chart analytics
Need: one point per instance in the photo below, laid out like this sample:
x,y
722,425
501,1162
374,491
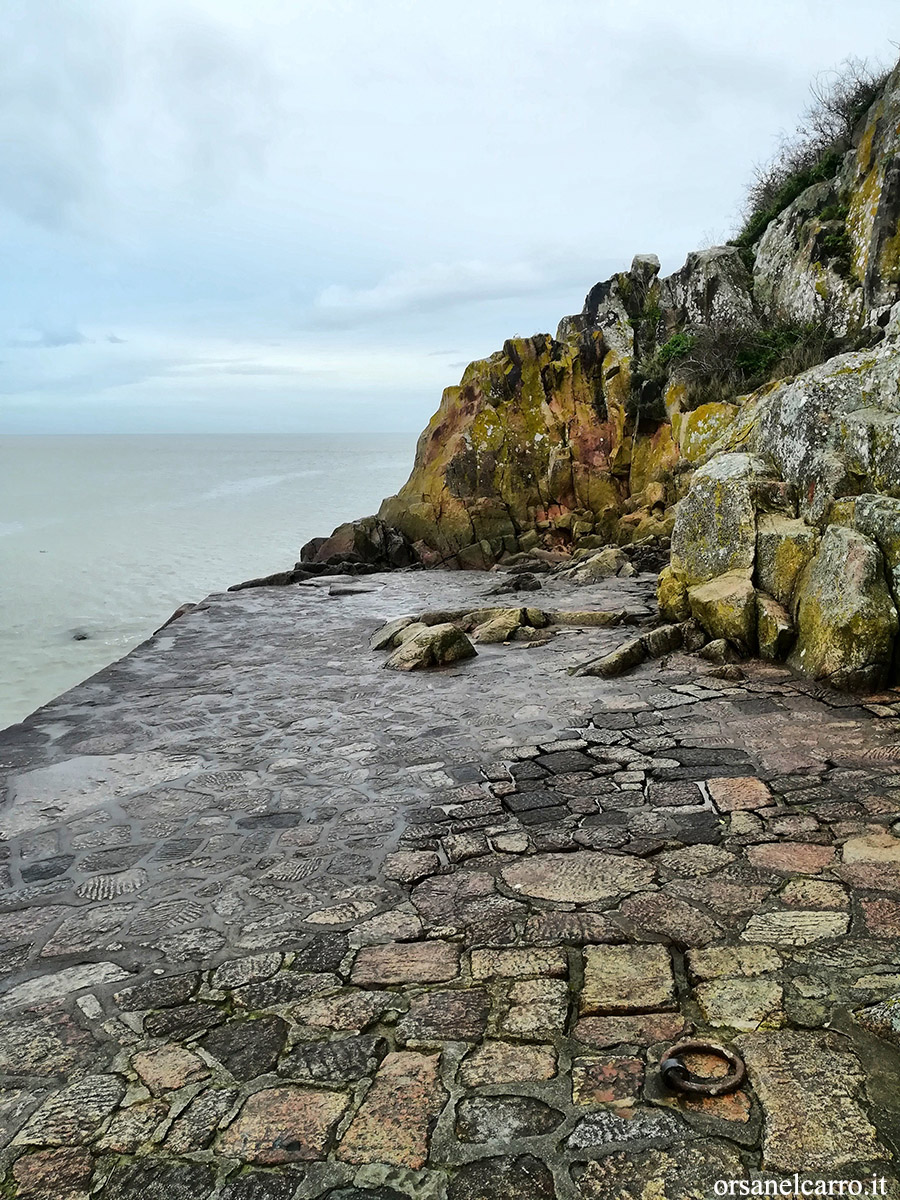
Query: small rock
x,y
519,964
334,1063
394,1121
796,858
523,1178
610,1080
384,637
73,1115
169,1068
406,962
578,878
409,866
808,1086
624,658
247,1048
775,629
283,1124
194,1128
621,979
483,1118
718,961
719,651
538,1009
742,1003
740,793
644,1030
53,1175
795,927
507,1062
435,1017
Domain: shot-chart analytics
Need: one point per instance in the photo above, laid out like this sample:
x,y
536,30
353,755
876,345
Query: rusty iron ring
x,y
677,1076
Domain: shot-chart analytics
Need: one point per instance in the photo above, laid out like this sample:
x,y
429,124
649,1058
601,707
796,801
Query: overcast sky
x,y
309,215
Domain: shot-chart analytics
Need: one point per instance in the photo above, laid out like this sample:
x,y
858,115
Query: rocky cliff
x,y
747,407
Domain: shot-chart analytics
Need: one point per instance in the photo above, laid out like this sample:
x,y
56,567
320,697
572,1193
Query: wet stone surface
x,y
277,924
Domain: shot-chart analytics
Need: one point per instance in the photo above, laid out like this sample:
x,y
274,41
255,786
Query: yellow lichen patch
x,y
616,372
674,397
672,596
487,430
652,457
889,259
698,431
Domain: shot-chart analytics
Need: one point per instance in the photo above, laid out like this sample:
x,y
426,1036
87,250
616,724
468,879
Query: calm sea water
x,y
106,536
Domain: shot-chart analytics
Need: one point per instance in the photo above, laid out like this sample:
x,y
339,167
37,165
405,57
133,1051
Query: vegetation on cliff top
x,y
814,152
717,363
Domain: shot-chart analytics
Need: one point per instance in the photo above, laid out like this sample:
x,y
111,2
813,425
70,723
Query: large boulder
x,y
832,431
672,596
878,517
698,431
713,287
794,277
726,608
528,436
871,181
784,547
774,628
846,620
368,540
715,529
433,646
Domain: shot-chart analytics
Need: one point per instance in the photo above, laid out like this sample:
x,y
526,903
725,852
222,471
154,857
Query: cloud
x,y
49,339
103,103
430,288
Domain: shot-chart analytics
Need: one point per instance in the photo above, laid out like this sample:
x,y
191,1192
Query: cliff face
x,y
536,444
747,405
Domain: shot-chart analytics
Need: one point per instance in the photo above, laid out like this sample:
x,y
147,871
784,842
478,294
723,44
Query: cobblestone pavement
x,y
278,923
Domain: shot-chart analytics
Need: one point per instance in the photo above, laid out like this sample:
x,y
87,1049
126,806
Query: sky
x,y
218,216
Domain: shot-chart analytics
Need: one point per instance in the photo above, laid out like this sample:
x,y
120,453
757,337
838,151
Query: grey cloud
x,y
97,99
49,339
430,288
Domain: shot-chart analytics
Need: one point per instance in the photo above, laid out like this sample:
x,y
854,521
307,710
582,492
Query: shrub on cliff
x,y
814,152
726,361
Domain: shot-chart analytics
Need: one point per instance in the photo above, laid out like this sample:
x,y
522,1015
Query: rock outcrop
x,y
746,406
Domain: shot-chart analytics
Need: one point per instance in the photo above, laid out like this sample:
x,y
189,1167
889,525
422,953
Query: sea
x,y
103,537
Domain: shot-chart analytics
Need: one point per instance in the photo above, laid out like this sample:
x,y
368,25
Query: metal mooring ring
x,y
677,1076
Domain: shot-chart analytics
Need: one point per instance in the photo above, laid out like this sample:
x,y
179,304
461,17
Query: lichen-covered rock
x,y
715,530
846,619
831,431
386,636
882,1019
713,287
672,596
696,432
774,628
795,278
433,646
630,654
719,651
529,434
726,608
601,566
871,182
784,547
663,640
878,517
500,628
